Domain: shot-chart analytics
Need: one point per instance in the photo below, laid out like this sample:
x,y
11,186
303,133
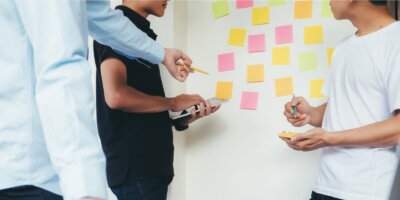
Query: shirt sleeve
x,y
112,28
392,81
64,95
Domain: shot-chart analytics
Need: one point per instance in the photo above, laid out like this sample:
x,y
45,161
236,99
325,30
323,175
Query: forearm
x,y
129,99
381,134
317,115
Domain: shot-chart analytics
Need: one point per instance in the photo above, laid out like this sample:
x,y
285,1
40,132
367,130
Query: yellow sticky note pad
x,y
287,134
224,90
281,56
260,15
237,37
283,86
329,53
315,88
255,73
313,35
303,9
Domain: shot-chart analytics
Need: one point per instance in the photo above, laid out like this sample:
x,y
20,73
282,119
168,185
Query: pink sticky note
x,y
256,43
226,62
249,100
244,3
283,34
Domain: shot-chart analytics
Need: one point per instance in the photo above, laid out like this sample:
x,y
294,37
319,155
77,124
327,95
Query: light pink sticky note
x,y
226,62
256,43
283,34
249,100
244,3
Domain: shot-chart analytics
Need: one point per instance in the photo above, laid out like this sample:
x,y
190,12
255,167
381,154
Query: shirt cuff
x,y
83,180
157,55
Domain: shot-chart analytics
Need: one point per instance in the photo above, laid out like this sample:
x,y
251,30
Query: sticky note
x,y
287,134
249,100
224,90
303,9
260,15
255,73
283,34
329,54
315,88
307,61
244,3
220,8
256,43
277,2
237,37
281,56
226,62
326,9
283,86
313,35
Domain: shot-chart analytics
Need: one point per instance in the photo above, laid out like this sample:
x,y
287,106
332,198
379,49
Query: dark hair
x,y
378,2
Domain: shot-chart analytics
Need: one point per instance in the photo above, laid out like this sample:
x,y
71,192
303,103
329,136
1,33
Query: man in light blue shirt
x,y
48,137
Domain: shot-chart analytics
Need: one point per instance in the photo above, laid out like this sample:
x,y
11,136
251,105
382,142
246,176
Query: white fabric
x,y
363,88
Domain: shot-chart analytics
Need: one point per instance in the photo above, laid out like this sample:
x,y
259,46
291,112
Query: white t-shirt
x,y
363,88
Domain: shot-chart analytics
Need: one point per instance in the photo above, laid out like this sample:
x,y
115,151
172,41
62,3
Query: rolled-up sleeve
x,y
57,31
111,28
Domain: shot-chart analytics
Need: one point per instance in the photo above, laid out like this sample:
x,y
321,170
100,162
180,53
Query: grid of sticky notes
x,y
253,41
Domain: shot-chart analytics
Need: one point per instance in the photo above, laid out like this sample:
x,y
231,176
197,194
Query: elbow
x,y
114,101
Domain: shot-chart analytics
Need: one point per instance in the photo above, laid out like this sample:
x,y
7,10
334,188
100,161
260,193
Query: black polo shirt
x,y
135,144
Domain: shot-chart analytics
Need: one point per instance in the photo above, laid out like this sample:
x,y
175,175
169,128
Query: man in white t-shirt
x,y
359,127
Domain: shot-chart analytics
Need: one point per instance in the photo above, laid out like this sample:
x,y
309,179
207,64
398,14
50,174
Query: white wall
x,y
236,154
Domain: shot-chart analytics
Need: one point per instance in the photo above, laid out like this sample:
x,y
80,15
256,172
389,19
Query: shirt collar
x,y
142,23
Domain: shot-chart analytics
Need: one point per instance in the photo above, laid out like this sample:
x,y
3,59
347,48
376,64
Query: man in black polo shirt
x,y
132,114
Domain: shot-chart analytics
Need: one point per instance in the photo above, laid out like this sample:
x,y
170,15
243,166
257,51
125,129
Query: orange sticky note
x,y
283,86
287,134
255,73
313,35
237,37
281,56
260,15
224,90
303,9
316,87
329,54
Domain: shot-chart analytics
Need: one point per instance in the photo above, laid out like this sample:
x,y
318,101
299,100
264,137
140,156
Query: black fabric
x,y
317,196
134,144
28,192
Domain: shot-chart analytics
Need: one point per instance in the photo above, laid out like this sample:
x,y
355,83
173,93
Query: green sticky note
x,y
307,61
220,8
326,9
277,2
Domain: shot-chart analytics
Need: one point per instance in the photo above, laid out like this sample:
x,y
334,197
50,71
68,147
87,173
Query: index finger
x,y
186,60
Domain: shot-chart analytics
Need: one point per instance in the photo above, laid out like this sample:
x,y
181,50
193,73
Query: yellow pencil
x,y
196,69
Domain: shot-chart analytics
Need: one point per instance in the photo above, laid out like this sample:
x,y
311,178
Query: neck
x,y
371,19
135,7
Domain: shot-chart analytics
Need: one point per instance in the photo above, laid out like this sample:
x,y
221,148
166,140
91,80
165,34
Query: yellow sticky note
x,y
315,88
287,134
260,15
224,90
326,9
283,86
281,56
255,73
303,9
313,35
237,37
329,54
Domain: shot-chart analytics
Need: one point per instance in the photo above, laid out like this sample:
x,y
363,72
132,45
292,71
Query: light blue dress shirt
x,y
48,137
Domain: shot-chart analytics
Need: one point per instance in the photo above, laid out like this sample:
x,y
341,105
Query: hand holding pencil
x,y
297,112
